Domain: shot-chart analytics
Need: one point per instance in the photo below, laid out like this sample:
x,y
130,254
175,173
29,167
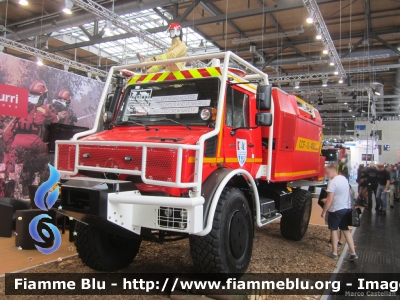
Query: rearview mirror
x,y
264,119
264,97
107,117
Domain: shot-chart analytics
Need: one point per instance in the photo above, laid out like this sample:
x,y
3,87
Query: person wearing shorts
x,y
338,204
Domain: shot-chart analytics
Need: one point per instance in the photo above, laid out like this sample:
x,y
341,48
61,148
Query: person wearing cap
x,y
371,175
383,188
176,50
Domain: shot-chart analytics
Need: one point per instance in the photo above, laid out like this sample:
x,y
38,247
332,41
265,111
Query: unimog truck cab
x,y
205,153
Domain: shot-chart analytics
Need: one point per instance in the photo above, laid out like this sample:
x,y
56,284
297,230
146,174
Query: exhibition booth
x,y
39,105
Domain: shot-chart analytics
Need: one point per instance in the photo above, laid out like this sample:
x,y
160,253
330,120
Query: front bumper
x,y
116,204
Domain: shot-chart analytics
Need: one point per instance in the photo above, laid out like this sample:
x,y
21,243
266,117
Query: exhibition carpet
x,y
12,259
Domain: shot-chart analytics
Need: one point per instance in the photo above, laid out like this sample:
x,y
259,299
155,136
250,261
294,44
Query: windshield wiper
x,y
136,123
166,119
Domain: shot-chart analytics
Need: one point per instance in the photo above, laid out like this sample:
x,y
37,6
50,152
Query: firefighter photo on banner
x,y
31,98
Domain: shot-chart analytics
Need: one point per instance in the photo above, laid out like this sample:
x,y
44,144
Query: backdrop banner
x,y
13,101
31,98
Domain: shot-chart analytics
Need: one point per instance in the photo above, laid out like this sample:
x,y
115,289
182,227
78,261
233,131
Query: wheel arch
x,y
213,187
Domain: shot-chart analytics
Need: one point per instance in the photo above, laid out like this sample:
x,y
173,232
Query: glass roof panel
x,y
119,50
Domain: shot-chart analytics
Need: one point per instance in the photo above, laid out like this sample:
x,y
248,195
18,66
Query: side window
x,y
237,108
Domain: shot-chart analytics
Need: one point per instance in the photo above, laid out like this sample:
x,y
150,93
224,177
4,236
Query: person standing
x,y
338,203
362,186
397,186
343,168
383,188
372,184
393,185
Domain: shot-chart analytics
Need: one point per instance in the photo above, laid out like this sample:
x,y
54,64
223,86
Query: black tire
x,y
294,222
228,247
102,251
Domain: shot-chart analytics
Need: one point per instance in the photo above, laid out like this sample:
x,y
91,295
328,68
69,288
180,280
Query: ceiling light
x,y
353,116
345,103
376,92
336,72
341,80
297,84
23,2
324,82
68,6
325,51
310,18
319,35
39,61
109,26
140,4
350,110
331,63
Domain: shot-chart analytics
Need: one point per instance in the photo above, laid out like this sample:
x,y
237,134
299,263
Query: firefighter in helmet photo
x,y
29,131
176,50
23,139
62,104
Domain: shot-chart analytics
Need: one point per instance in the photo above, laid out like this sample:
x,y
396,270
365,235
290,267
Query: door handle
x,y
250,145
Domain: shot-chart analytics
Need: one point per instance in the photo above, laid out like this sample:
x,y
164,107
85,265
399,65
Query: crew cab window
x,y
237,108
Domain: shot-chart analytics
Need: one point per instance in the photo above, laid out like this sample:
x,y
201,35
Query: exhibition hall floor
x,y
12,259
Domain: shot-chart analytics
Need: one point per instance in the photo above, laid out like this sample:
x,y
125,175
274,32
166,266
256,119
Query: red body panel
x,y
297,140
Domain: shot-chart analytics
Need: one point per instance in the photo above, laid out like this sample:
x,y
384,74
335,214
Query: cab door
x,y
241,146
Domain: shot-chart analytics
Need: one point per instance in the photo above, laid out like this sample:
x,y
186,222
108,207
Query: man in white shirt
x,y
338,206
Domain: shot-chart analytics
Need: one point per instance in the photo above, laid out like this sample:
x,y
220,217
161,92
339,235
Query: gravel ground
x,y
271,254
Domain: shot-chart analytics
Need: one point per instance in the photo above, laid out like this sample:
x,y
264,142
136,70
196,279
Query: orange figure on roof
x,y
177,49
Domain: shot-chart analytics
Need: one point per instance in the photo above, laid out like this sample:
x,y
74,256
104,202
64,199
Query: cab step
x,y
268,211
265,221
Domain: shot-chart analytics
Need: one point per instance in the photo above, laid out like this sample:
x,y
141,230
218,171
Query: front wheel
x,y
228,246
102,251
294,222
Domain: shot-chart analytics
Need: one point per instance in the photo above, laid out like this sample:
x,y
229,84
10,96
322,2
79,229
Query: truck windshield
x,y
331,156
157,103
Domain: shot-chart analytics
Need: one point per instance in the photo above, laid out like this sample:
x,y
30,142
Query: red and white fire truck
x,y
203,153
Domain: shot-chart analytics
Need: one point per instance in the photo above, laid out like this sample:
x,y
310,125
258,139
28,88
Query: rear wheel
x,y
294,222
103,251
228,247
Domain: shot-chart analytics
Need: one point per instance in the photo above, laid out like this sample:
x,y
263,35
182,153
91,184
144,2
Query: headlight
x,y
205,114
208,114
168,212
183,213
